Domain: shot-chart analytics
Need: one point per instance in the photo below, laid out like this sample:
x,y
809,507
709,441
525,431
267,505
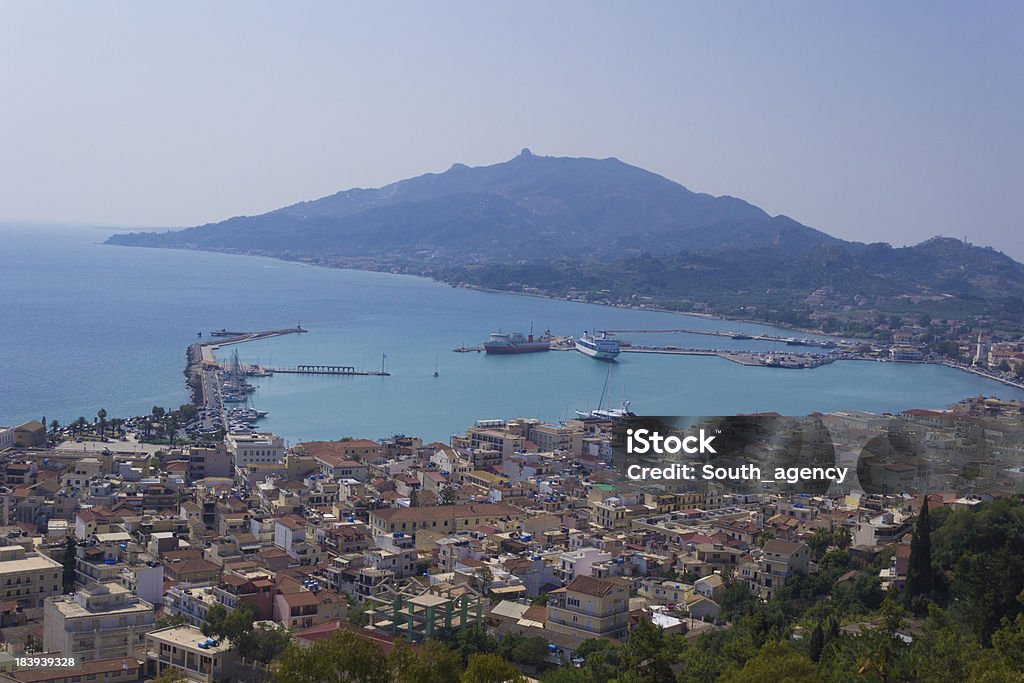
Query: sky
x,y
873,121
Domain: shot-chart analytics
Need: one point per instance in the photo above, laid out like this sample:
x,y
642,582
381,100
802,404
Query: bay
x,y
86,325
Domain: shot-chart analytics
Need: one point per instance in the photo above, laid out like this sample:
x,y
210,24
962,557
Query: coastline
x,y
491,290
553,297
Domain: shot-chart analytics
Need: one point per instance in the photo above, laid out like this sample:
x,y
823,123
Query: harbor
x,y
222,391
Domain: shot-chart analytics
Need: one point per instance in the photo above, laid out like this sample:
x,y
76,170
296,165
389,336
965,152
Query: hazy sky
x,y
869,120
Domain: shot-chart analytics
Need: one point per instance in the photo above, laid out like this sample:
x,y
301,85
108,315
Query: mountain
x,y
608,231
530,207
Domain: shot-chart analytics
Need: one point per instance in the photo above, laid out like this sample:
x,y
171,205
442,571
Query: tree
x,y
919,570
345,657
482,578
102,415
171,427
432,661
69,561
648,654
524,650
841,537
816,643
490,668
54,427
358,615
819,542
213,624
737,600
239,622
943,651
264,644
447,495
776,661
473,640
1008,641
171,675
175,620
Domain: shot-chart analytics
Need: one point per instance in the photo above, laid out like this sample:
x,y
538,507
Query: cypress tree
x,y
919,570
817,643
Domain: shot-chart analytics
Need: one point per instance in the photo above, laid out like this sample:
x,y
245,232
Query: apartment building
x,y
590,608
779,560
99,621
28,578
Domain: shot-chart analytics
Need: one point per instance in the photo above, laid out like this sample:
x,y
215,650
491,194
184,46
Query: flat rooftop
x,y
188,637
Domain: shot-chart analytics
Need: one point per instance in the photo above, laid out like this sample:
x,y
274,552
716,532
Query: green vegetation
x,y
261,645
69,561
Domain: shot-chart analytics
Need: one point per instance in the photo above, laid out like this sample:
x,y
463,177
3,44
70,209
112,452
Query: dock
x,y
327,370
792,341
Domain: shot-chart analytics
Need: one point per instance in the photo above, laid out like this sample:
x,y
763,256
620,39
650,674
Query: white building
x,y
255,449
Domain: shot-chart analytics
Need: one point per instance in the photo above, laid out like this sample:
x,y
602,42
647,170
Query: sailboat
x,y
601,413
436,373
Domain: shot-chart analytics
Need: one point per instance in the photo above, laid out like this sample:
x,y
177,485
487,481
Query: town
x,y
145,548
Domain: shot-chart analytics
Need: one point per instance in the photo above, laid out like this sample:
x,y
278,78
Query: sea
x,y
85,326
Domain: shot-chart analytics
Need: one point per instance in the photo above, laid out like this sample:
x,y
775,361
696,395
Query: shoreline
x,y
491,290
552,297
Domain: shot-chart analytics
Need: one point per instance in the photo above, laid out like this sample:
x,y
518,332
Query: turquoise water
x,y
88,326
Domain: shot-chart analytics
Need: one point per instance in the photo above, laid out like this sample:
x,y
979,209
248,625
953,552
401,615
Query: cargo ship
x,y
600,347
515,342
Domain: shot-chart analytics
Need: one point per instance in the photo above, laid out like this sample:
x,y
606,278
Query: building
x,y
394,552
444,518
186,649
208,462
100,621
117,670
255,449
590,608
28,578
778,561
30,435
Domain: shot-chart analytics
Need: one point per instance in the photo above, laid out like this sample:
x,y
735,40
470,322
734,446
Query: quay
x,y
752,358
326,370
792,341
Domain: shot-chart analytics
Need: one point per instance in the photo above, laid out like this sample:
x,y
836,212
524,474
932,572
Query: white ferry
x,y
600,347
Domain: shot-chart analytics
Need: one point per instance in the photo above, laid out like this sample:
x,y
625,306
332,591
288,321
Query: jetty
x,y
792,341
325,370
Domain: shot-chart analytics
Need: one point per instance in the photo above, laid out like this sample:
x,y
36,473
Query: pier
x,y
327,370
792,341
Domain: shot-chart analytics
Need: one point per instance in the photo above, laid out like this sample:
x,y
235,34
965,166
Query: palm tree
x,y
54,428
172,427
102,415
80,424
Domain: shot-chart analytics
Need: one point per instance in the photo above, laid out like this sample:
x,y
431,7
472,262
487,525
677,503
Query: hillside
x,y
529,207
603,230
